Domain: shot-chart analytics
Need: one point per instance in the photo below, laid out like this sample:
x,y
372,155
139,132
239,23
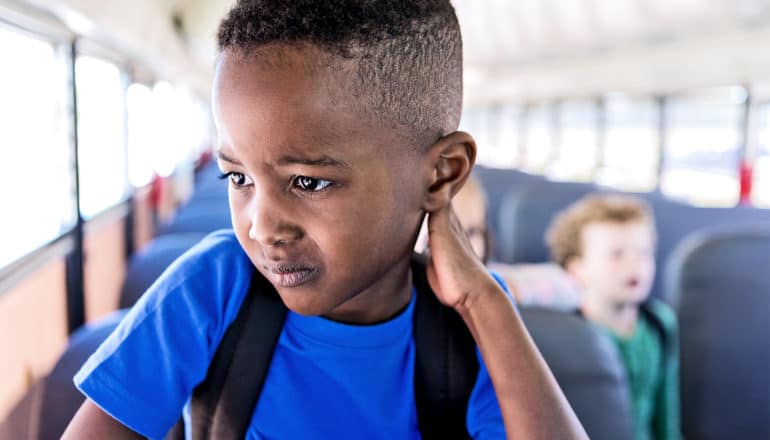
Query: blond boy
x,y
606,242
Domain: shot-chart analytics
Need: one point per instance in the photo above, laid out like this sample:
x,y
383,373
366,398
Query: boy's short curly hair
x,y
407,54
564,235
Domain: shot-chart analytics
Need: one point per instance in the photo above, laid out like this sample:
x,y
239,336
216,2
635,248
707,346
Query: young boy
x,y
607,243
336,124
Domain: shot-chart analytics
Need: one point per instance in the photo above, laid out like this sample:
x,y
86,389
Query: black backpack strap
x,y
223,404
446,366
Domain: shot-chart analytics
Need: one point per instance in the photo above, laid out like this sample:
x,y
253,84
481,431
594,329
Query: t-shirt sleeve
x,y
145,371
484,419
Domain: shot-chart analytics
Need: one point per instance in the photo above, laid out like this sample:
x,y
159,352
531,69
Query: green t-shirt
x,y
652,370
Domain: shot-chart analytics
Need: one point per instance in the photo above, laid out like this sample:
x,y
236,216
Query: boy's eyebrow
x,y
323,161
227,158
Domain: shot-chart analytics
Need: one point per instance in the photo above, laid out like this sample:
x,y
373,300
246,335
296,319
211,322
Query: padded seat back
x,y
588,369
497,183
46,410
525,214
202,217
720,280
149,263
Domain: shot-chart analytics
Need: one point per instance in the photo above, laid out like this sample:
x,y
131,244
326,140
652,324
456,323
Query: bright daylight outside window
x,y
702,150
142,126
578,141
631,144
539,141
495,130
101,133
36,182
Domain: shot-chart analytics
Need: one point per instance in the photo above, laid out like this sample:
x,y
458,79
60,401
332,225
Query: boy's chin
x,y
632,297
303,305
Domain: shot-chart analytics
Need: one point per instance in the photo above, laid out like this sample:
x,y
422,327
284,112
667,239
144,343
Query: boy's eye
x,y
237,179
311,183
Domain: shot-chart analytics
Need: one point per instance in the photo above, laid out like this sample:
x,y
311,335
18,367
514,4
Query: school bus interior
x,y
107,177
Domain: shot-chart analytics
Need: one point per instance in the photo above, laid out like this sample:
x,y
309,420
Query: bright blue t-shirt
x,y
326,379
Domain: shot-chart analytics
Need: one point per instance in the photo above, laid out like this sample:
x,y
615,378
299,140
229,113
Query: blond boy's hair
x,y
564,235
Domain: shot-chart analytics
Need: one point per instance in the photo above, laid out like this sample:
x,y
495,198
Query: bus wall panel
x,y
33,331
104,268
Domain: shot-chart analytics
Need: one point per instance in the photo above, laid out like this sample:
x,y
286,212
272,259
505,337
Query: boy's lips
x,y
290,275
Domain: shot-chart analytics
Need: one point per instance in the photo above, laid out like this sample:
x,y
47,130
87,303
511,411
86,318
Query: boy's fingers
x,y
444,229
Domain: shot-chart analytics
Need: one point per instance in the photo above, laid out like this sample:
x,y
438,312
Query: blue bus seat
x,y
47,408
200,217
525,214
497,183
588,369
149,263
719,279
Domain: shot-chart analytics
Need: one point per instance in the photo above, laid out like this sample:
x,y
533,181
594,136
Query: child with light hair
x,y
606,242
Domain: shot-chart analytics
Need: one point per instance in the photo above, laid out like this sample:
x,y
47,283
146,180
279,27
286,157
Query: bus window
x,y
101,135
702,146
539,141
496,132
761,183
142,127
578,141
631,143
36,178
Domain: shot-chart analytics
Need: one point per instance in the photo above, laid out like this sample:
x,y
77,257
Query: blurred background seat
x,y
720,280
587,368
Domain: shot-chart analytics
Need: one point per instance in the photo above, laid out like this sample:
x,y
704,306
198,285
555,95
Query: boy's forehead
x,y
593,232
286,101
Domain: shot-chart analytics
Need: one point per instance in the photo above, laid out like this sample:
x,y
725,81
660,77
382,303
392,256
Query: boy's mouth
x,y
290,275
632,282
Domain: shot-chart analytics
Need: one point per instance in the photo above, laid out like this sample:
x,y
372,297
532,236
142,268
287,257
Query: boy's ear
x,y
451,159
574,267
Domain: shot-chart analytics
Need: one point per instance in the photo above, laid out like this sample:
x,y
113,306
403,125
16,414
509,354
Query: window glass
x,y
702,150
142,127
578,141
476,122
760,195
36,181
101,135
184,132
539,141
630,153
496,134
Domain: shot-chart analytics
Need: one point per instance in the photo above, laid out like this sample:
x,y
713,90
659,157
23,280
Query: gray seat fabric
x,y
149,263
588,369
497,183
525,214
720,280
675,221
202,217
47,408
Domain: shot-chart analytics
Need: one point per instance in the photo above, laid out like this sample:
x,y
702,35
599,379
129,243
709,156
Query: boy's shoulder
x,y
662,313
662,318
216,262
217,249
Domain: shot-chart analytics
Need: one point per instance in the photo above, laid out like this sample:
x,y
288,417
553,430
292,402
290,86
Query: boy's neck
x,y
620,317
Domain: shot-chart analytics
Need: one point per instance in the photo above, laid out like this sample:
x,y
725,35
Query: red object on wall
x,y
157,190
746,179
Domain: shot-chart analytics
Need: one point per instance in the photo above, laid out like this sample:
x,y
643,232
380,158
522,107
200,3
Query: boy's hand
x,y
455,273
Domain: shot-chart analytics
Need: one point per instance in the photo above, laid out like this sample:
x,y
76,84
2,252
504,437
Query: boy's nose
x,y
268,227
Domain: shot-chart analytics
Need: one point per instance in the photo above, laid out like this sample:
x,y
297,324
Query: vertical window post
x,y
601,134
74,260
662,132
